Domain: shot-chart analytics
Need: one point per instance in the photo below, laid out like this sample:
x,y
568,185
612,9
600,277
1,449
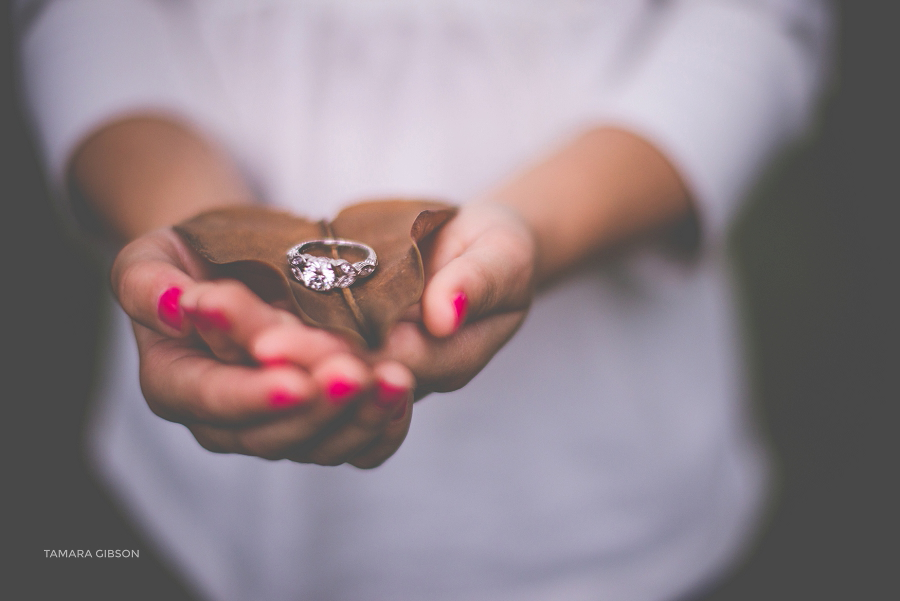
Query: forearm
x,y
602,189
143,173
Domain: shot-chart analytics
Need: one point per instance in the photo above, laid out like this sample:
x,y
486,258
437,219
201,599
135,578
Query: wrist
x,y
604,188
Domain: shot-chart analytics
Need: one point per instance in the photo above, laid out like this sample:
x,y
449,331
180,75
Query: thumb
x,y
488,277
148,280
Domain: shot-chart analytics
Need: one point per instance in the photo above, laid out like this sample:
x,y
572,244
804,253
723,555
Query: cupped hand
x,y
247,377
480,273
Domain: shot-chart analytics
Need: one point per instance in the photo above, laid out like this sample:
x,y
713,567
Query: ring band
x,y
324,273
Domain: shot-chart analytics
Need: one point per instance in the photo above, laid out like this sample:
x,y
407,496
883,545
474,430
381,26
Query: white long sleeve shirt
x,y
605,453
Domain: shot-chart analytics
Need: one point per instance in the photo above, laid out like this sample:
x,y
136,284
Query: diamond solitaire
x,y
325,273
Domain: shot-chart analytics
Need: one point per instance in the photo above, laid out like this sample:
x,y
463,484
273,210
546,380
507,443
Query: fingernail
x,y
276,362
200,322
461,305
389,395
168,309
340,391
207,320
282,399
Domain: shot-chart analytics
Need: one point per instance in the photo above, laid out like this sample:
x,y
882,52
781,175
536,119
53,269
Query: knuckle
x,y
375,454
367,463
154,395
370,423
251,443
490,287
206,406
213,444
324,458
120,265
123,282
371,460
450,384
159,408
298,454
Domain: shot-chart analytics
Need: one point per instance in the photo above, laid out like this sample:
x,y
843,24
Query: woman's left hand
x,y
480,272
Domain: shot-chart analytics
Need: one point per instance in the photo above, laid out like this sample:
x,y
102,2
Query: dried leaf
x,y
251,243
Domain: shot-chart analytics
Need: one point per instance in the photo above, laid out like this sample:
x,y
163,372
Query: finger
x,y
343,380
445,364
148,279
340,381
270,440
292,341
395,385
277,438
237,325
203,306
386,445
346,382
215,439
371,419
184,384
228,316
493,274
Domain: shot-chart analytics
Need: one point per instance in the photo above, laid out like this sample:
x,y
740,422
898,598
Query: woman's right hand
x,y
208,360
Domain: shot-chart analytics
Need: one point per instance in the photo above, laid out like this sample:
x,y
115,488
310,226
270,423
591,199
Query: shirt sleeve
x,y
88,62
719,87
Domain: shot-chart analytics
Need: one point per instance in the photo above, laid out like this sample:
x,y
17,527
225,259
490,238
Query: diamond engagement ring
x,y
324,273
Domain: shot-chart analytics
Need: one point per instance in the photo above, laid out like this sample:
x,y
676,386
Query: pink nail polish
x,y
198,319
207,320
168,309
461,305
275,362
389,396
218,320
341,391
282,399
